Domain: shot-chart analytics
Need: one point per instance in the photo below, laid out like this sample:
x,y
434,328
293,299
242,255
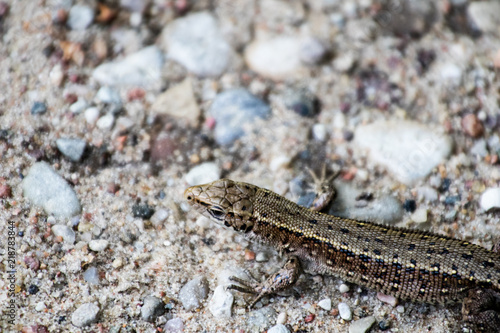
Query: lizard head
x,y
225,202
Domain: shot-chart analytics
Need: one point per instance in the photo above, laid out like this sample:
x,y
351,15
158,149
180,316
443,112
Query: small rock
x,y
109,95
221,303
56,75
261,318
193,293
319,132
344,288
280,162
152,308
80,17
78,106
143,211
174,326
345,311
159,217
85,315
5,191
91,275
261,257
450,73
142,68
325,304
231,110
40,306
279,328
44,187
301,101
344,62
106,122
490,199
362,325
38,108
400,309
281,319
98,245
472,126
203,173
410,205
406,148
32,263
387,299
33,289
450,216
479,148
91,115
73,149
134,5
67,234
419,216
485,15
179,102
196,42
312,51
428,193
277,59
384,325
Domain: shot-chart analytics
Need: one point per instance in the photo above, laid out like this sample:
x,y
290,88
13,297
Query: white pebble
x,y
420,215
279,162
345,311
343,288
362,325
325,304
67,234
91,115
106,121
40,306
281,319
387,299
319,132
278,329
98,245
490,199
221,302
400,309
203,173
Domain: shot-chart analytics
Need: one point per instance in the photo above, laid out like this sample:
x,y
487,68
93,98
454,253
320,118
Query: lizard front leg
x,y
284,278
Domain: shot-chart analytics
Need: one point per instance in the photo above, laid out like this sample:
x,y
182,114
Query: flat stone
x,y
179,102
193,293
142,68
45,188
345,311
91,276
98,245
221,303
362,325
325,304
420,215
486,15
409,150
152,308
174,325
196,42
71,148
203,173
278,329
85,315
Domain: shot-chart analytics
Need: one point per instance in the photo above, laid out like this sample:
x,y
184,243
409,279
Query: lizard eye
x,y
216,212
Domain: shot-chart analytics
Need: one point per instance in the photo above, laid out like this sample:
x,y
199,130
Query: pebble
x,y
80,17
278,58
196,42
419,216
345,311
280,162
56,75
261,257
33,289
344,288
159,217
91,275
78,106
106,122
152,308
142,68
98,245
67,234
391,300
71,148
312,51
279,328
490,199
143,211
109,95
134,5
40,306
261,318
319,132
410,205
91,115
85,315
400,309
44,187
204,173
450,216
221,303
485,15
428,193
301,101
282,318
325,304
479,148
174,325
38,108
344,62
5,191
231,110
449,73
362,325
408,149
193,293
179,102
472,126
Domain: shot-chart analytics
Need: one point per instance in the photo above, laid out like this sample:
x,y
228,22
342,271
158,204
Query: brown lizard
x,y
408,264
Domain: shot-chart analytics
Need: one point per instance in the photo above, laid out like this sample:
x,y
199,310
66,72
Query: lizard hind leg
x,y
482,310
284,278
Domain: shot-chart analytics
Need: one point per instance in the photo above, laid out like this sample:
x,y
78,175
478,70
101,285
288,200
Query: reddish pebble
x,y
136,93
496,59
4,8
472,126
32,263
334,312
249,255
310,317
387,299
5,191
113,188
210,123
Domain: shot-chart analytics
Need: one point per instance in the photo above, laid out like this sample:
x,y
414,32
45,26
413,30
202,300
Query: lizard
x,y
413,265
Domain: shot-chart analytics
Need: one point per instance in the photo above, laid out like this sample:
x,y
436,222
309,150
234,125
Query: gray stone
x,y
91,275
231,110
221,303
142,68
85,315
406,148
44,187
193,293
174,325
71,148
196,42
486,15
203,173
362,325
80,17
67,234
152,308
109,95
278,329
261,318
